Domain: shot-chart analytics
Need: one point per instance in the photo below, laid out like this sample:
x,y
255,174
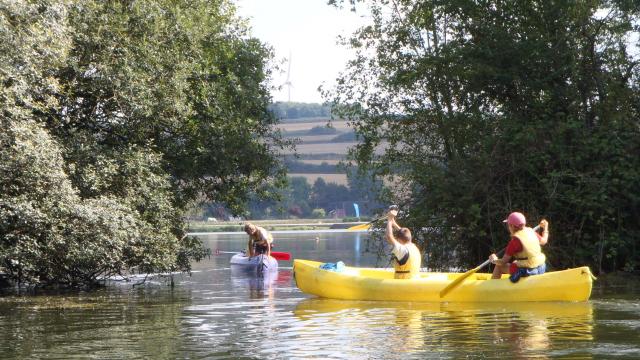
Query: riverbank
x,y
274,225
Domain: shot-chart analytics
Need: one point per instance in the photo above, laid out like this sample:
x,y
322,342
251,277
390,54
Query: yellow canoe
x,y
378,284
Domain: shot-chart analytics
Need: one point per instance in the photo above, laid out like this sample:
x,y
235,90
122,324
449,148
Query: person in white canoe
x,y
260,240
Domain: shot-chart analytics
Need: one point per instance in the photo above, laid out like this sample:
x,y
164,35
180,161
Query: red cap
x,y
516,219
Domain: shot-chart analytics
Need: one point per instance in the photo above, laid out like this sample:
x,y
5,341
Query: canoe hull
x,y
378,284
260,263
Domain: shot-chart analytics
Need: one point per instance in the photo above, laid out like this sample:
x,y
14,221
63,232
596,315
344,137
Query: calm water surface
x,y
219,314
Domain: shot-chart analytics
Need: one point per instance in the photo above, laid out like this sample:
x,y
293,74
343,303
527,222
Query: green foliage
x,y
116,116
488,107
318,213
181,78
329,195
49,235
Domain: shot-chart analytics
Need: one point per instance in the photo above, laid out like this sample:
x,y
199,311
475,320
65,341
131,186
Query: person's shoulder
x,y
264,232
401,247
515,239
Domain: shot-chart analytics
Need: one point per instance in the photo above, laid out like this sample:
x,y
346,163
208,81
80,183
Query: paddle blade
x,y
461,278
280,255
360,227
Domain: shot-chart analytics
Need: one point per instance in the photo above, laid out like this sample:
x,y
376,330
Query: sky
x,y
308,30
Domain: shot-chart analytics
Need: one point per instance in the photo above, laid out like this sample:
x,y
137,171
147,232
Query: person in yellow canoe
x,y
523,255
260,240
406,256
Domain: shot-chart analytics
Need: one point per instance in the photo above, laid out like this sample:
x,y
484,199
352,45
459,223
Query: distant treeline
x,y
316,156
300,199
295,110
305,168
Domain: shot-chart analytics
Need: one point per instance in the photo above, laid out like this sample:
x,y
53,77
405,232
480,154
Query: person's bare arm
x,y
495,260
544,224
250,247
391,221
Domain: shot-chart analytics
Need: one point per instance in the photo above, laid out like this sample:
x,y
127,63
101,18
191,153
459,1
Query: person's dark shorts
x,y
522,272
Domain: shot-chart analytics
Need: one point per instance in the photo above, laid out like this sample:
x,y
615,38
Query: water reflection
x,y
448,329
259,286
104,324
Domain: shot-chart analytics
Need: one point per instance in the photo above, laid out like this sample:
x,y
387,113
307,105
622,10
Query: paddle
x,y
366,226
460,279
278,255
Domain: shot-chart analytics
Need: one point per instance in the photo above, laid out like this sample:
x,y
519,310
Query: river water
x,y
219,314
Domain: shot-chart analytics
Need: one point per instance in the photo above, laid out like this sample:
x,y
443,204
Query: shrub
x,y
318,213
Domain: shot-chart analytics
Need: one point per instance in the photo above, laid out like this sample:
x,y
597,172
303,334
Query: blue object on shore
x,y
337,267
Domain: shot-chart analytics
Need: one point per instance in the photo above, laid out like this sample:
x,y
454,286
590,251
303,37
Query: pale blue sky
x,y
308,29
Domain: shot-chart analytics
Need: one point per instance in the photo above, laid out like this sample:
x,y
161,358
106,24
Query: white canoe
x,y
259,263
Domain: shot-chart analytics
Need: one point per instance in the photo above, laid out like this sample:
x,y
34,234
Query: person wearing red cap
x,y
523,255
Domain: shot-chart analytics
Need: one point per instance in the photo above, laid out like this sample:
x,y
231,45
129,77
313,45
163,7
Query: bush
x,y
318,213
49,234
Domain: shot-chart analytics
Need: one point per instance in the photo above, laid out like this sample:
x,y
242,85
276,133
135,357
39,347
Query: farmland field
x,y
323,148
316,138
337,124
319,148
319,162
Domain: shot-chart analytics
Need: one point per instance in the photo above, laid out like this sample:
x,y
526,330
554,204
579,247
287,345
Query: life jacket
x,y
531,255
409,265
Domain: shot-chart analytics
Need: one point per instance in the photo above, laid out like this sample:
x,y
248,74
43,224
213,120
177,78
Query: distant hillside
x,y
319,149
295,110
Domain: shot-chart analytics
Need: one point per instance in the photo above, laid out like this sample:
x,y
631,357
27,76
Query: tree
x,y
329,195
488,106
182,78
300,193
115,117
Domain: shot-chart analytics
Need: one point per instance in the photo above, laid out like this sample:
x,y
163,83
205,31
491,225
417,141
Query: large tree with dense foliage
x,y
115,116
182,78
491,106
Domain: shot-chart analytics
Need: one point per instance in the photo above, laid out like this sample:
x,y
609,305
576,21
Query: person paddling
x,y
260,240
523,255
406,256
